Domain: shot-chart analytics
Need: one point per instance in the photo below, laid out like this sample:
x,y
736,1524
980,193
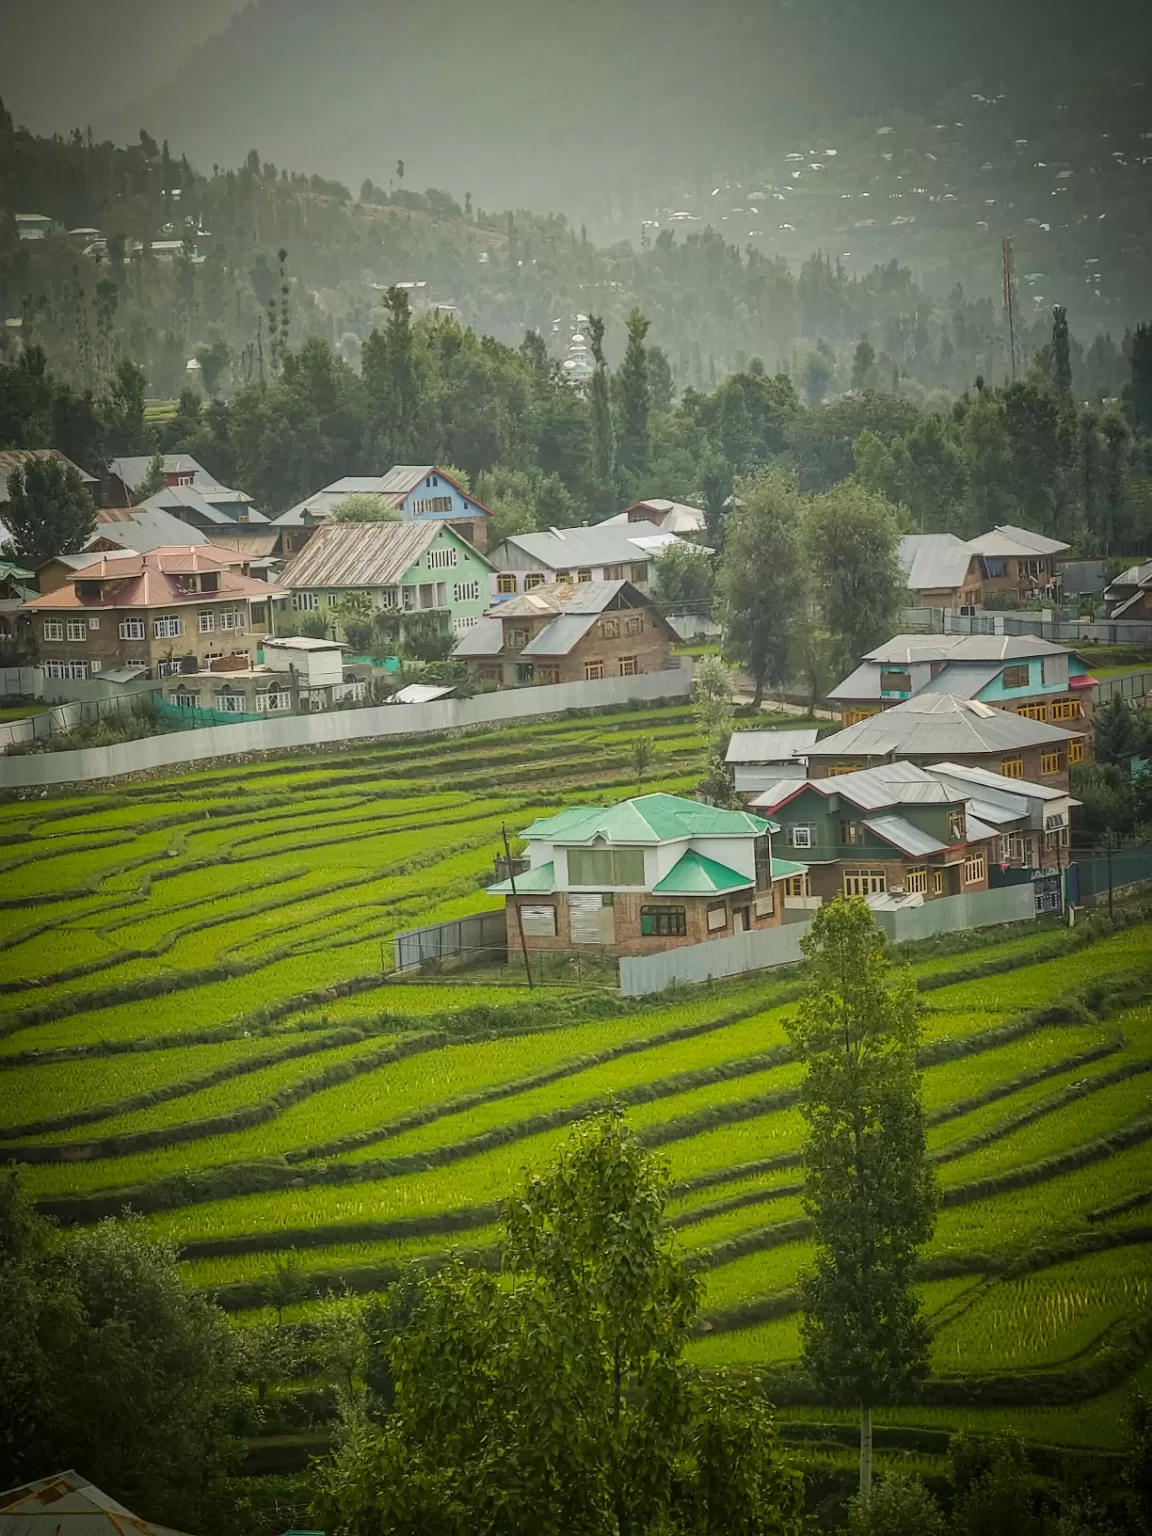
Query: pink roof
x,y
149,580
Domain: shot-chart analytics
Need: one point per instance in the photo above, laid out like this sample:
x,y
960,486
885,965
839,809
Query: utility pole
x,y
1010,302
516,904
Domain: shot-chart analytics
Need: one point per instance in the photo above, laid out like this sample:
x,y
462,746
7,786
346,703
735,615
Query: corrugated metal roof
x,y
1036,541
564,597
983,779
145,527
694,874
570,548
538,881
421,693
977,831
942,723
903,835
647,819
403,478
932,561
189,496
1008,541
484,638
67,1504
133,469
903,648
964,680
12,459
359,554
769,746
561,636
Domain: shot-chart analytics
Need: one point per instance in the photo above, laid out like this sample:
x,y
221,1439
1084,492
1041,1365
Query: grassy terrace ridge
x,y
197,1019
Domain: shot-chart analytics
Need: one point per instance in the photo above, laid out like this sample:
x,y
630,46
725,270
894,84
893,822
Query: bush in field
x,y
897,1506
993,1495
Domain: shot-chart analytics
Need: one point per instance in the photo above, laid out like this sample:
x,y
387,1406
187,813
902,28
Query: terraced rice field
x,y
196,1019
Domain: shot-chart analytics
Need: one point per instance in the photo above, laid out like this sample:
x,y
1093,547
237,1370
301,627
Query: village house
x,y
423,566
760,759
894,828
162,612
125,476
607,552
17,587
959,575
1033,820
669,516
418,492
13,459
1129,595
930,726
297,674
563,633
140,529
649,874
1035,678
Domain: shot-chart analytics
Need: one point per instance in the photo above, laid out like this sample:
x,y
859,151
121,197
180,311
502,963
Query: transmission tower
x,y
1010,303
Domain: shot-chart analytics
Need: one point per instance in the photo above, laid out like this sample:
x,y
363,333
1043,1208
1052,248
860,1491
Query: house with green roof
x,y
648,874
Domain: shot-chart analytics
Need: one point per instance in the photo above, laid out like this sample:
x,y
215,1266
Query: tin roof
x,y
207,502
605,544
903,835
562,636
649,819
769,746
361,554
694,874
484,638
908,648
145,527
939,723
133,469
67,1504
150,580
1012,540
538,881
932,561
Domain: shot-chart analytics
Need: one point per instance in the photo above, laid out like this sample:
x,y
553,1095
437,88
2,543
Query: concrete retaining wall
x,y
95,763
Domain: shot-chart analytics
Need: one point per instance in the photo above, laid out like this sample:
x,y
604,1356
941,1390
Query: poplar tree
x,y
601,490
762,587
634,448
869,1187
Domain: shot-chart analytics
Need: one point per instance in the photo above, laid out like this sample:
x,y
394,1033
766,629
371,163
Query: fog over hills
x,y
604,108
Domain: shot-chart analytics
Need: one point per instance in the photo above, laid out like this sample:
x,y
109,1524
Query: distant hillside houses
x,y
415,491
943,571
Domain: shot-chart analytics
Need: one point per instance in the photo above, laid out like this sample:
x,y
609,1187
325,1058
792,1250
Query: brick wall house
x,y
563,633
168,610
650,874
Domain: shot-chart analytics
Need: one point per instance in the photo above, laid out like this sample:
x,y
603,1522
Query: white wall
x,y
336,725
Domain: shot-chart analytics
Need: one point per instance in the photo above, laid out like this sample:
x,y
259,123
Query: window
x,y
230,703
231,618
892,681
183,479
1066,709
838,769
801,837
854,716
1051,763
1075,751
975,868
167,668
563,575
131,629
408,598
1033,711
1012,848
613,573
610,628
466,592
93,623
167,627
640,572
273,700
538,922
717,915
517,638
73,669
1029,569
304,602
506,583
87,589
593,671
916,879
431,506
205,621
937,882
628,667
210,581
605,866
663,922
864,882
442,559
525,673
1015,677
1012,767
77,629
995,568
584,575
634,624
762,854
796,885
53,629
851,833
182,699
547,674
468,622
533,579
259,615
955,826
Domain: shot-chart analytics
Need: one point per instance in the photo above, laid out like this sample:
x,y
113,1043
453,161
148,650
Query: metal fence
x,y
57,718
1101,871
1137,685
483,936
939,621
743,952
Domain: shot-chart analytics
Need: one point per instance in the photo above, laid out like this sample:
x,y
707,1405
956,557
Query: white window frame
x,y
975,868
181,699
133,629
273,700
53,629
231,618
167,627
801,837
443,559
205,621
77,630
93,621
466,592
304,602
229,703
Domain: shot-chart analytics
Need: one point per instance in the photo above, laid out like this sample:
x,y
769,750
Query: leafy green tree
x,y
356,614
869,1187
863,364
391,379
213,361
896,1506
127,429
425,637
1118,731
153,481
641,760
523,500
685,579
817,378
633,447
851,539
712,708
762,589
364,507
1138,390
49,511
992,1486
602,473
1061,355
556,1401
661,385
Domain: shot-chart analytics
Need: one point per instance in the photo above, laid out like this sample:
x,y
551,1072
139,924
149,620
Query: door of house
x,y
592,918
741,919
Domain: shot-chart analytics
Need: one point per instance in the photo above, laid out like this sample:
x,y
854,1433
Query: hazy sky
x,y
64,63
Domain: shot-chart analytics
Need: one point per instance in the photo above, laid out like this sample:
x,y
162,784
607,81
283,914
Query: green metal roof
x,y
647,819
695,875
783,868
540,881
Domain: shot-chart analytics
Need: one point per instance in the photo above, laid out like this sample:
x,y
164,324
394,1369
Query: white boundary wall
x,y
38,769
781,946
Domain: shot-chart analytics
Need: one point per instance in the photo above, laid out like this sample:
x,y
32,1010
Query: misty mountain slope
x,y
574,106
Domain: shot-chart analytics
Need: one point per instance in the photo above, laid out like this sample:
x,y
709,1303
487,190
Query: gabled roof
x,y
67,1504
929,722
562,636
133,469
151,580
364,554
671,516
694,874
981,781
207,506
769,746
484,638
647,819
934,561
903,835
145,527
568,597
1008,539
909,648
870,789
393,489
538,881
605,544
